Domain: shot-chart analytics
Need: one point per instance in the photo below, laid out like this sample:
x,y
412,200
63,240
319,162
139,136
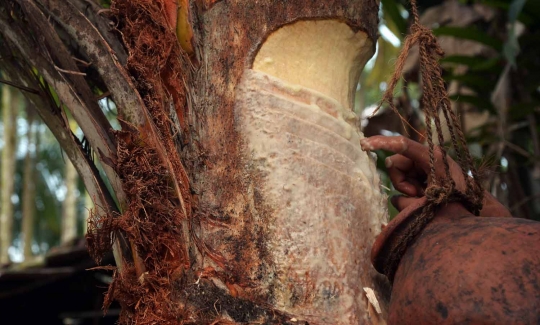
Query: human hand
x,y
409,171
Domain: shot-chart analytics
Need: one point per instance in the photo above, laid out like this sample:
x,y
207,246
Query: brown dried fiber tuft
x,y
152,221
152,175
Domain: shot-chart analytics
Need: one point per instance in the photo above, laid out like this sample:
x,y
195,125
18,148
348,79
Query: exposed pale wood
x,y
284,205
324,206
323,55
253,223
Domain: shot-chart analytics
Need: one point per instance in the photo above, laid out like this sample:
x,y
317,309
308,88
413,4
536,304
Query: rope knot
x,y
424,37
439,194
442,188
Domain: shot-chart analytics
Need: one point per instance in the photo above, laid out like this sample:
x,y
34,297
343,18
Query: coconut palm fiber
x,y
441,188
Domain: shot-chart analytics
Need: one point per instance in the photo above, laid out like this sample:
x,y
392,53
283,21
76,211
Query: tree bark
x,y
244,194
283,168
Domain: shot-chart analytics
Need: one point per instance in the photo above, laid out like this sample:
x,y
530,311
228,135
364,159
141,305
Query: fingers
x,y
400,202
404,175
401,145
418,153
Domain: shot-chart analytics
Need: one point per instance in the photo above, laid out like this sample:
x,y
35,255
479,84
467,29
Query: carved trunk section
x,y
289,204
245,196
323,193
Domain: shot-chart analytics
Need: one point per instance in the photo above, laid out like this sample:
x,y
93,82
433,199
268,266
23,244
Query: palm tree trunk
x,y
288,204
243,191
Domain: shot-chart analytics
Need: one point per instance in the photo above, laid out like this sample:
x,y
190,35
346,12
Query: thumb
x,y
400,202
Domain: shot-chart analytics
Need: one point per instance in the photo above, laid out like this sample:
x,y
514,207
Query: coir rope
x,y
441,188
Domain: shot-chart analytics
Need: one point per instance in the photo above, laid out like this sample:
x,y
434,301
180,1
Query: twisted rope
x,y
441,189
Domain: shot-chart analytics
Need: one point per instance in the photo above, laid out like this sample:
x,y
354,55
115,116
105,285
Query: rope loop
x,y
442,188
438,194
435,100
441,195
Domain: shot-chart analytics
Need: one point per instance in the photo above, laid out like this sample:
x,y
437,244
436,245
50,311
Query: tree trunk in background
x,y
88,205
10,105
69,206
29,179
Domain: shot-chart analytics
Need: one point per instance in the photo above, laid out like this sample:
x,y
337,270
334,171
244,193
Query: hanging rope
x,y
441,188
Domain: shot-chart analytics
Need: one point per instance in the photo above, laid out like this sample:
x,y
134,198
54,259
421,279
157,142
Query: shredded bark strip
x,y
156,219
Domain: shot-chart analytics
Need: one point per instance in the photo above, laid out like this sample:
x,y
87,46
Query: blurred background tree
x,y
44,202
490,67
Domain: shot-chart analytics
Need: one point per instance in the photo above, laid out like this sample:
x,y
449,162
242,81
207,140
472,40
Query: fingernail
x,y
364,143
388,162
404,145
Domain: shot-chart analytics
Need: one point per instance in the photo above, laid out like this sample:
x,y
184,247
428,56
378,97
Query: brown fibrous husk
x,y
152,222
153,216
